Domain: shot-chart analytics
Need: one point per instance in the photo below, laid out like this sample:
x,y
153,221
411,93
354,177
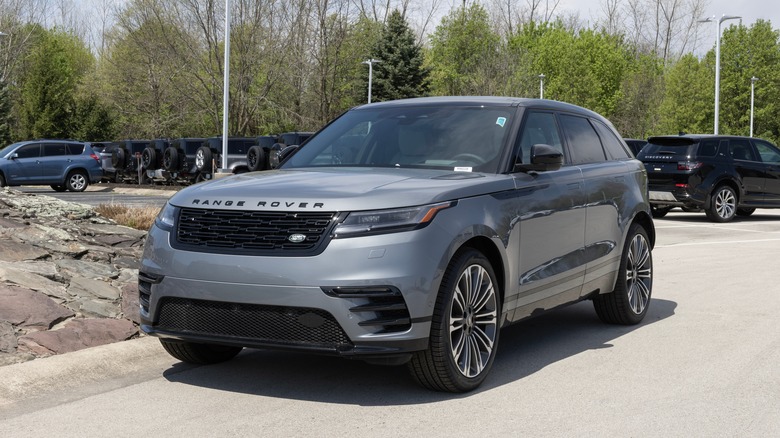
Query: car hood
x,y
342,189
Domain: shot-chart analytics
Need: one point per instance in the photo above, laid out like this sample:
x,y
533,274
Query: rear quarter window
x,y
708,148
584,143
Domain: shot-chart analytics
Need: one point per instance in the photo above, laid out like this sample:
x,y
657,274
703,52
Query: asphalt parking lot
x,y
705,362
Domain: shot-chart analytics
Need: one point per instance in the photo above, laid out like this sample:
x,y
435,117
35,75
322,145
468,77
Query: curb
x,y
36,378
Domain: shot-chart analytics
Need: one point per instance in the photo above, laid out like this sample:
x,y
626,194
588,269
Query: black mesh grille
x,y
256,323
251,232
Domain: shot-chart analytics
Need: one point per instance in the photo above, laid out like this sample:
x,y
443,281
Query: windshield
x,y
6,150
461,138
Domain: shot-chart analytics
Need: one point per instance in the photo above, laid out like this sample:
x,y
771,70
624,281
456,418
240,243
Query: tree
x,y
464,48
55,65
688,99
401,73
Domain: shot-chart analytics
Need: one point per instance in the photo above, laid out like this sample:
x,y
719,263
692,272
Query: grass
x,y
140,218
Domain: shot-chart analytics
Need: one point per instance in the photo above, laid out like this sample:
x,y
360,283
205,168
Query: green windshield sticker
x,y
501,121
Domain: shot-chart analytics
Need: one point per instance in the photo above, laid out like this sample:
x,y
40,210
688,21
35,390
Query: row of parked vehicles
x,y
190,160
74,165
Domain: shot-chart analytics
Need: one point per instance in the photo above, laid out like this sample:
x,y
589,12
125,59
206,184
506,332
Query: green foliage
x,y
463,48
54,67
401,73
688,102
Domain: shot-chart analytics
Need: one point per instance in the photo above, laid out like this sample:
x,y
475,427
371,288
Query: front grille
x,y
257,324
252,232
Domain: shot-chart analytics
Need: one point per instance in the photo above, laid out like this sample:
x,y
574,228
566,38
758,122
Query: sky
x,y
749,10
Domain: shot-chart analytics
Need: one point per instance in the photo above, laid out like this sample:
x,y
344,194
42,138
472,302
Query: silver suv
x,y
409,232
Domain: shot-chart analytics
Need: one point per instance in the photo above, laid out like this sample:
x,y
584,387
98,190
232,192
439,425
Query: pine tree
x,y
400,72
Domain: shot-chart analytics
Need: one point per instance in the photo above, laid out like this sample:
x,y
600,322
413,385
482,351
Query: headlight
x,y
166,218
362,223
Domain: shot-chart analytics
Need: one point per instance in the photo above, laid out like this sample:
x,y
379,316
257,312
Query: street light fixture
x,y
718,21
752,95
370,63
541,86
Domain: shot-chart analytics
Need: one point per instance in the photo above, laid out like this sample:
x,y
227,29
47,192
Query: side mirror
x,y
14,156
286,152
543,158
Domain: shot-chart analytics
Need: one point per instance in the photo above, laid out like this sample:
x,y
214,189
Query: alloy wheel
x,y
473,321
639,274
725,203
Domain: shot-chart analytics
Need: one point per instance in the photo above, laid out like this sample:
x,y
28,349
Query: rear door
x,y
752,172
770,157
54,161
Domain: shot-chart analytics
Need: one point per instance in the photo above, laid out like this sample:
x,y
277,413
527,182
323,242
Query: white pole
x,y
370,63
541,86
752,95
226,85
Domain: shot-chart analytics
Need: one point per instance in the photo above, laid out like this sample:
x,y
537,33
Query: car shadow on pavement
x,y
525,348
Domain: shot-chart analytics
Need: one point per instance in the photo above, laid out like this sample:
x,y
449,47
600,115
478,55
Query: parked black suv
x,y
723,175
208,157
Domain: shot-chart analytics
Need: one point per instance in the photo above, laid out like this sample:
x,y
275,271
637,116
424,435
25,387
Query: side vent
x,y
145,282
382,307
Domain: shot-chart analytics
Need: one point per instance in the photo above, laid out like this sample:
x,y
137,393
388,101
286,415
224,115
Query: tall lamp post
x,y
226,91
370,63
718,21
541,86
752,95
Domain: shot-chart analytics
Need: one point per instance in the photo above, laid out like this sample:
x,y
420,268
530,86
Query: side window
x,y
740,149
584,143
54,149
708,148
29,151
539,128
767,152
614,147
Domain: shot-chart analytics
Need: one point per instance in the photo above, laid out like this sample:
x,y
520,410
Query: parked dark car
x,y
725,176
210,155
61,164
126,159
406,232
257,156
179,159
635,145
152,162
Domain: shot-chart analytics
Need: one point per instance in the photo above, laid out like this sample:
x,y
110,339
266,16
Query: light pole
x,y
541,86
752,95
226,91
370,63
718,21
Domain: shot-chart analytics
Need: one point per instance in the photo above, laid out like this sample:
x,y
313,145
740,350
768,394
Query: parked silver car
x,y
409,232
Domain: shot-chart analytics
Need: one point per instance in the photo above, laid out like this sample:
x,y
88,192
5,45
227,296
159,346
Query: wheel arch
x,y
488,248
646,221
737,187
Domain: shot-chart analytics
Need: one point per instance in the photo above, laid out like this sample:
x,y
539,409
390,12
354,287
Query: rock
x,y
46,269
130,309
16,251
33,281
80,286
7,338
100,308
87,269
126,262
10,359
27,308
77,335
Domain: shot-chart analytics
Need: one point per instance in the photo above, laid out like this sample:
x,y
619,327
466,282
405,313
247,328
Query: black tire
x,y
119,158
170,159
2,181
446,365
77,181
745,212
200,354
203,159
58,188
256,159
627,304
149,158
659,212
723,204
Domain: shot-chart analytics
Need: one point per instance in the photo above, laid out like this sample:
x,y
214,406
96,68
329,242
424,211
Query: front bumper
x,y
364,296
